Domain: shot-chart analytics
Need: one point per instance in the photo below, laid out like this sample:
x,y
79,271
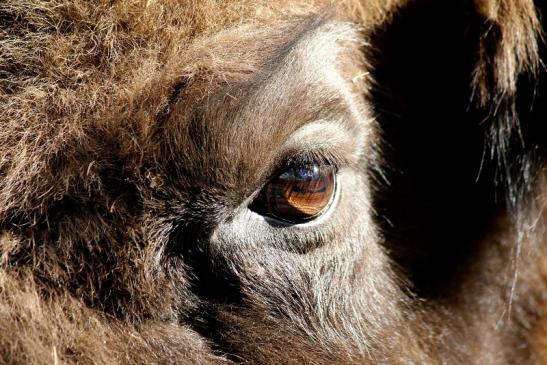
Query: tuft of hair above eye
x,y
298,194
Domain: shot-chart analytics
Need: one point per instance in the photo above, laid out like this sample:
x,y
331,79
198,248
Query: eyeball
x,y
300,193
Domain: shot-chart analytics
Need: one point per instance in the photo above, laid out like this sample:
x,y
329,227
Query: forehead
x,y
255,88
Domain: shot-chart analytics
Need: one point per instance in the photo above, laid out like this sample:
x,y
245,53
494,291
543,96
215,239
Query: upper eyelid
x,y
325,141
315,156
298,156
333,142
342,139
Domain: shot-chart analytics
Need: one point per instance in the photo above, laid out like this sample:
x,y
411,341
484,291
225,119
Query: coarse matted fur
x,y
135,134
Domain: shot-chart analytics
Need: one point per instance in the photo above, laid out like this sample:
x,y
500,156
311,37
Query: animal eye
x,y
300,193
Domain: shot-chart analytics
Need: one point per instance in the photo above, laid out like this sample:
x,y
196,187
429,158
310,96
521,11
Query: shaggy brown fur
x,y
135,134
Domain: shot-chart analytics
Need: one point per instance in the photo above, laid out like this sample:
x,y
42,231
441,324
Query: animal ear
x,y
506,35
503,37
508,83
446,78
466,62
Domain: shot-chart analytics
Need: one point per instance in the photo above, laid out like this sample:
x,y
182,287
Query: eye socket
x,y
300,193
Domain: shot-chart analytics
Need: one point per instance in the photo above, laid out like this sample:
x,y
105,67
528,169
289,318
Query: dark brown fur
x,y
134,134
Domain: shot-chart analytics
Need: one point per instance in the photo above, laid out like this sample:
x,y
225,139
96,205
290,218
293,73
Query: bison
x,y
288,182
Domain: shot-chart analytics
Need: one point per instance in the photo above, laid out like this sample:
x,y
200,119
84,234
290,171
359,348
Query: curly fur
x,y
125,139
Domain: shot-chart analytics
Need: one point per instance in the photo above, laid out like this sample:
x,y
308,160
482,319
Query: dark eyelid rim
x,y
295,156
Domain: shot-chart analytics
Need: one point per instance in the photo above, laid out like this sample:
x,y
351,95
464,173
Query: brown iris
x,y
300,193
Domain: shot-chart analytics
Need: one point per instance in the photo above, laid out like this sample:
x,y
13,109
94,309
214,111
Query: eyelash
x,y
294,158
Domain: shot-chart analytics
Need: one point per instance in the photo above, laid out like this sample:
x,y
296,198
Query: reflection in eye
x,y
300,193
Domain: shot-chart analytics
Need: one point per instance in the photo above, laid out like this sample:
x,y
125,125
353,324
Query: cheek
x,y
334,266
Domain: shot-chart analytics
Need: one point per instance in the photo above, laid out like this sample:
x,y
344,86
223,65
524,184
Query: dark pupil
x,y
300,193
